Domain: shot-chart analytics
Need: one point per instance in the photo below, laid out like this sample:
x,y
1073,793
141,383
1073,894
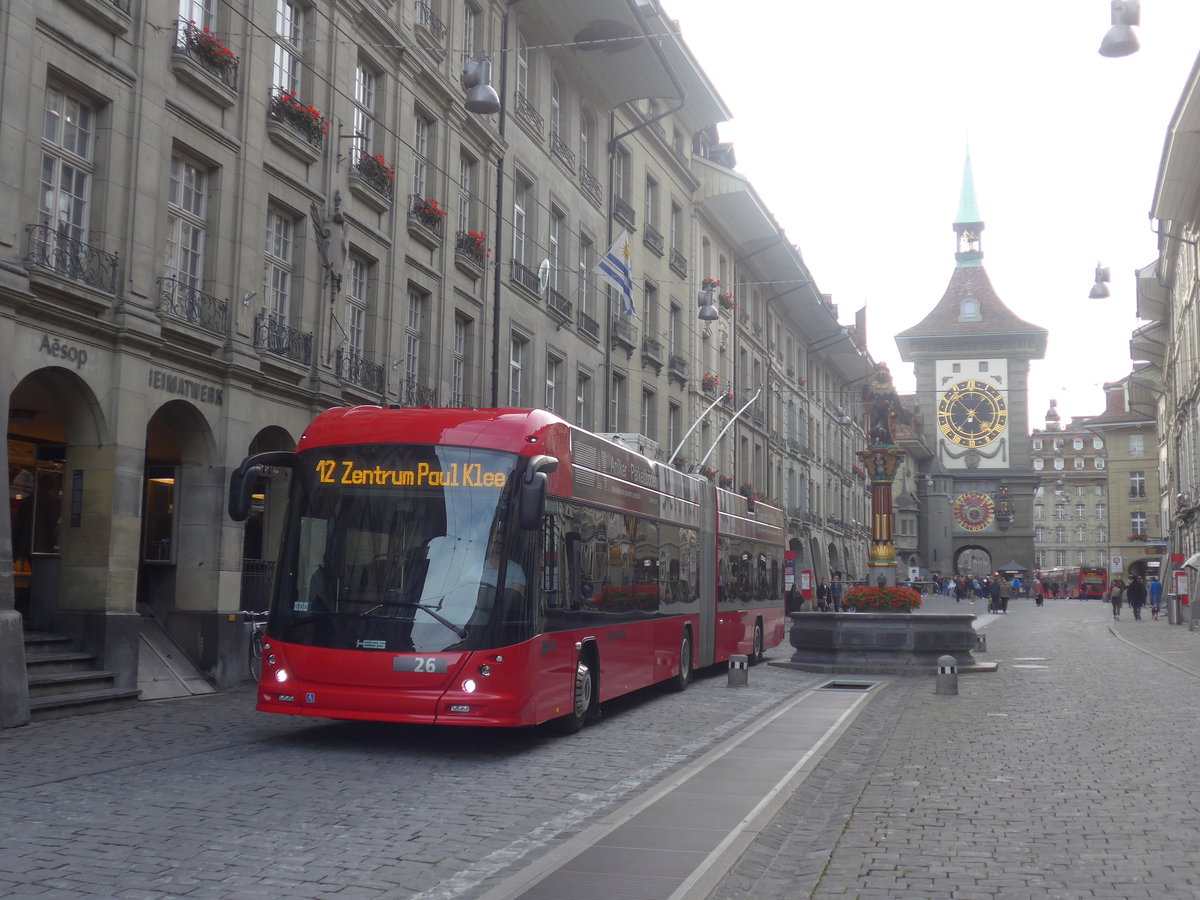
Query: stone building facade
x,y
225,218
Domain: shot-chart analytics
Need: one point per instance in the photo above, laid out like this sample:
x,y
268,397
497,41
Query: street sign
x,y
1116,565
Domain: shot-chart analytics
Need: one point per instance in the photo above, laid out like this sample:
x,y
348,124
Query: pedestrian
x,y
835,593
1017,586
1155,597
823,595
1005,594
1116,594
960,589
1136,594
994,595
1039,591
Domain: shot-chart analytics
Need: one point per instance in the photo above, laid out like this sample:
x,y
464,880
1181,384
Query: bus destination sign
x,y
347,471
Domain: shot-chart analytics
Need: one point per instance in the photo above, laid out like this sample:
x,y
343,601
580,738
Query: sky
x,y
852,119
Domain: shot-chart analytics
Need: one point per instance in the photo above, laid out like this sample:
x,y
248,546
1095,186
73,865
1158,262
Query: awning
x,y
1193,561
1014,566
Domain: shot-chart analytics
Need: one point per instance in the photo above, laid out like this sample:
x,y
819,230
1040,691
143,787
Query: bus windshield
x,y
400,548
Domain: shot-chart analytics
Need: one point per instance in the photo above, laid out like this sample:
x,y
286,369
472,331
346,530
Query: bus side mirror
x,y
531,497
241,482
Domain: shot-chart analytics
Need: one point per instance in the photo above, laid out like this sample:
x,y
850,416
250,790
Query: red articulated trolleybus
x,y
500,568
1078,582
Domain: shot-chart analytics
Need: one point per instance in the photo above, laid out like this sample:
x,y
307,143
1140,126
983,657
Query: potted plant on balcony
x,y
726,481
709,382
208,47
727,301
427,211
306,119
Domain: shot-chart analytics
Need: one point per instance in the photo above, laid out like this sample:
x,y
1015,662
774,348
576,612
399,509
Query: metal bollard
x,y
981,643
947,678
739,671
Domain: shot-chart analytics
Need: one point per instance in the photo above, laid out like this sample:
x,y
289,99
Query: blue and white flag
x,y
615,268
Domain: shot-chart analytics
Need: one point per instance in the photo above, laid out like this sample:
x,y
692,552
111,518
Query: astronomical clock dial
x,y
972,414
974,511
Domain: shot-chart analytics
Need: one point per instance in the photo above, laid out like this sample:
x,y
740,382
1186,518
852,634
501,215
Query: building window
x,y
1037,444
1099,462
622,172
187,199
1079,462
587,139
422,148
651,202
1102,535
198,12
1101,511
522,67
357,287
1039,559
1059,464
676,236
555,109
1039,534
522,196
587,259
518,350
554,367
1077,443
1039,513
364,111
1137,445
67,153
470,29
1098,443
674,425
1080,511
458,364
414,337
1081,534
1038,464
618,405
1137,524
558,228
1060,534
1060,512
467,166
983,366
1060,557
289,47
649,418
277,286
1137,485
583,400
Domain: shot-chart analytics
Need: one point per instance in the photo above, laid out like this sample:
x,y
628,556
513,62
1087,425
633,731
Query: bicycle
x,y
257,620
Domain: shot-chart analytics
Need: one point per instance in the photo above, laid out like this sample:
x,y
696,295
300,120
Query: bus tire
x,y
581,700
683,678
756,649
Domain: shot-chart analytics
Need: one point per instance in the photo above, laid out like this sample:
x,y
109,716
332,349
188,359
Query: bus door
x,y
706,639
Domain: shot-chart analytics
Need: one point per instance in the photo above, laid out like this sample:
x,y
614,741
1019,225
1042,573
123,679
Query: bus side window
x,y
551,566
574,552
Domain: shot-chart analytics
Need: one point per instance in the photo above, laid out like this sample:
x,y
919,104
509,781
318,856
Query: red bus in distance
x,y
500,568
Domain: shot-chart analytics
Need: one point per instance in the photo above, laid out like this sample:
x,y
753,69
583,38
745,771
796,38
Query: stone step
x,y
60,706
56,683
59,661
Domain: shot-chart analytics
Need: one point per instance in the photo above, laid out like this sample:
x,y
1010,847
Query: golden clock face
x,y
974,511
972,413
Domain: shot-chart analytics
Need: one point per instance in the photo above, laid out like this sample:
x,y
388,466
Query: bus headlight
x,y
281,675
485,670
468,686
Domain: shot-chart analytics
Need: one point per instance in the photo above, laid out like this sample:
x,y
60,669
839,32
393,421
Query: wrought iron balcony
x,y
677,368
55,251
288,110
189,304
624,333
587,326
652,239
678,263
624,213
652,352
427,215
590,185
559,148
414,394
470,249
527,113
282,340
354,369
559,305
525,277
431,23
204,48
375,173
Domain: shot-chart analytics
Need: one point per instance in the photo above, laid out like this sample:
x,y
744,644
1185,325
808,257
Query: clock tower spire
x,y
968,224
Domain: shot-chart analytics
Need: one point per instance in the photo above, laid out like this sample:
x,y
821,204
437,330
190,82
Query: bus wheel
x,y
681,681
756,652
581,700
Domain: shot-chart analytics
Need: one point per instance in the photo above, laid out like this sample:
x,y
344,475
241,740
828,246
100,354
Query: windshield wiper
x,y
424,607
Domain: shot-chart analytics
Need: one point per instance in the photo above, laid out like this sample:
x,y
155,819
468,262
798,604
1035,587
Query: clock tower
x,y
971,356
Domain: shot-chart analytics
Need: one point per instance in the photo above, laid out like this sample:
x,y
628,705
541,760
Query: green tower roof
x,y
968,210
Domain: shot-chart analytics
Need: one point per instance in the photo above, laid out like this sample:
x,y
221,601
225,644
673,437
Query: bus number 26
x,y
428,664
